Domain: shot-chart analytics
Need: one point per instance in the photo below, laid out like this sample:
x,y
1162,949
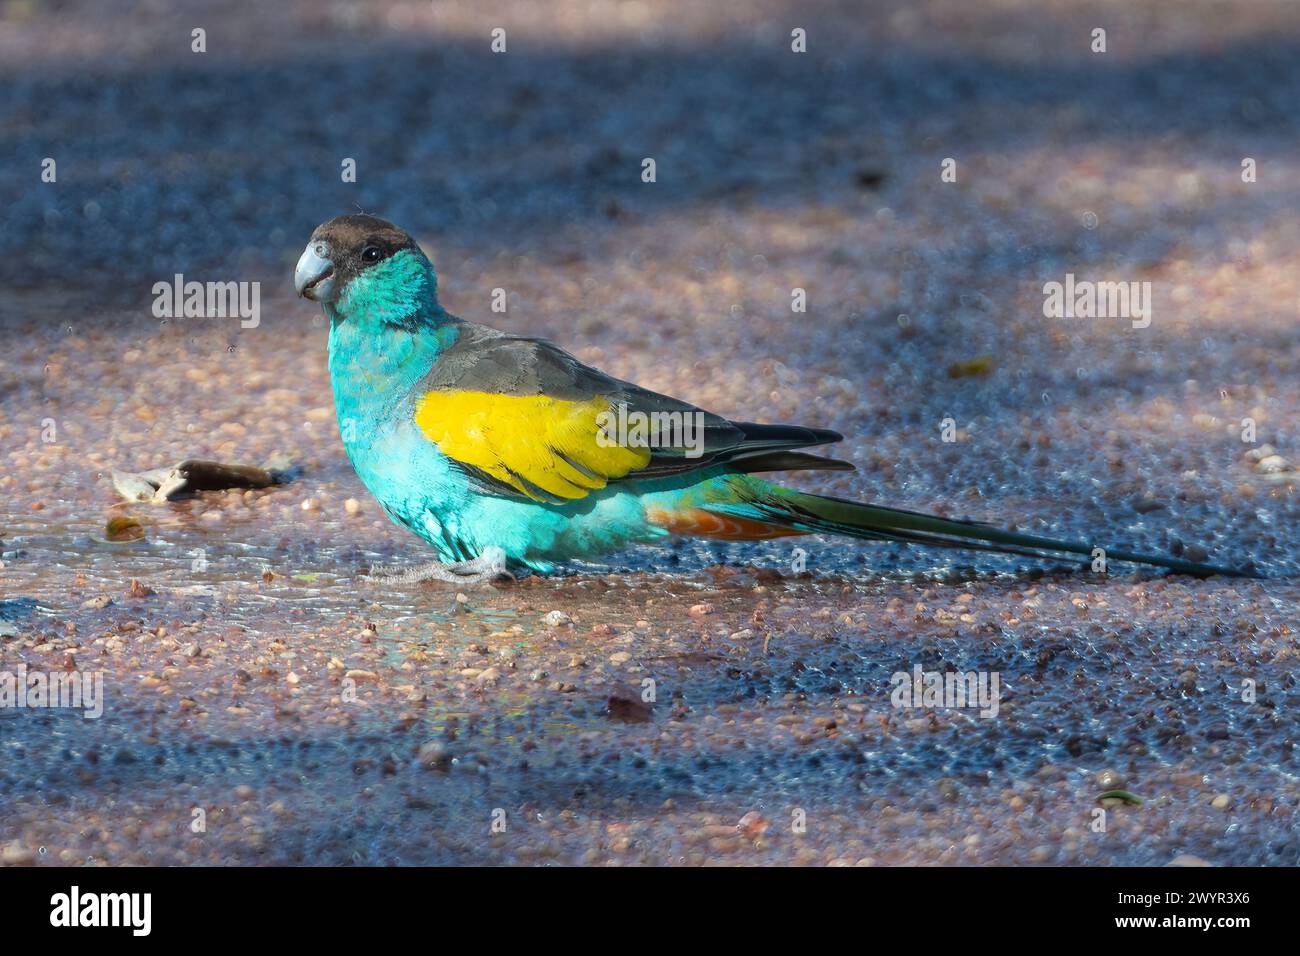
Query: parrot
x,y
507,455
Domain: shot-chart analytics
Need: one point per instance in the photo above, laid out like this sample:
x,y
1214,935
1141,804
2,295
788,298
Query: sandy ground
x,y
252,672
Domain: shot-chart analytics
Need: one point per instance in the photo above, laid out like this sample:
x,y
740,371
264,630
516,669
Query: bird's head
x,y
362,266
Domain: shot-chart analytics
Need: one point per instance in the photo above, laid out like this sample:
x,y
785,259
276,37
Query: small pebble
x,y
15,854
434,756
1110,780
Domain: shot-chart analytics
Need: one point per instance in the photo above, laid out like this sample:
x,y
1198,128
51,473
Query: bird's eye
x,y
370,254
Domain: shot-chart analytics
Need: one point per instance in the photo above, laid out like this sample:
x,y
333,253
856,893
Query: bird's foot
x,y
488,566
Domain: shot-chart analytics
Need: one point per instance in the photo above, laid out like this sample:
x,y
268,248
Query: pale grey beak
x,y
314,276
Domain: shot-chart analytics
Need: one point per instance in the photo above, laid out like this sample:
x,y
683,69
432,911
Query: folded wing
x,y
525,419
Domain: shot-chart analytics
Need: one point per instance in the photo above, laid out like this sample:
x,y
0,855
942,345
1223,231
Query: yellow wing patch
x,y
527,441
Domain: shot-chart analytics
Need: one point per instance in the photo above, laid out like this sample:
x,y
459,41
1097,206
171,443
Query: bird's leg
x,y
488,566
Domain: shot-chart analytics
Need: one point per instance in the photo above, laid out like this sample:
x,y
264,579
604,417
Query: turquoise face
x,y
402,290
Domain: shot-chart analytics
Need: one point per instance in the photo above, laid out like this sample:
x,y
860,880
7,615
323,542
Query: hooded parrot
x,y
498,449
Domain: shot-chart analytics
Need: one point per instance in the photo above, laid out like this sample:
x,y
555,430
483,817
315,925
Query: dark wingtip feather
x,y
790,435
787,461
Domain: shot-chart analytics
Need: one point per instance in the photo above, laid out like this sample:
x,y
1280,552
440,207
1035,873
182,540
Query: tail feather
x,y
817,514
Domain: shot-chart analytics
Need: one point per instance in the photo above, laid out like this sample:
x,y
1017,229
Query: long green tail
x,y
817,514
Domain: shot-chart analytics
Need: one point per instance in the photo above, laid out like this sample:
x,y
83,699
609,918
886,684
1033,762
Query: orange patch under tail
x,y
710,524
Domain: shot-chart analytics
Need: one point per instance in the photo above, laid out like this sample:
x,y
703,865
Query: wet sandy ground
x,y
253,672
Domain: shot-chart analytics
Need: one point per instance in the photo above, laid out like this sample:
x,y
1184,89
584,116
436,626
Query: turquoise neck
x,y
385,335
374,375
401,291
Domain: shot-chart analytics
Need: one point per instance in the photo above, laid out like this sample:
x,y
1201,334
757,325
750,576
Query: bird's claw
x,y
487,567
